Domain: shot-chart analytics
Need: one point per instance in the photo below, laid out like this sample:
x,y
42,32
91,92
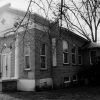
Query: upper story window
x,y
65,52
92,57
73,55
79,56
27,57
43,56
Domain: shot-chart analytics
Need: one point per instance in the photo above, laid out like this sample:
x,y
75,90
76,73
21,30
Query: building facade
x,y
40,56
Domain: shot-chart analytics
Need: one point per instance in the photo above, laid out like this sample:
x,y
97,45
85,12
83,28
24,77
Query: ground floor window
x,y
43,56
27,62
27,57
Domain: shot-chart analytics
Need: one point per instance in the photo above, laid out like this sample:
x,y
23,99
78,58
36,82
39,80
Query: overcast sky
x,y
23,4
19,4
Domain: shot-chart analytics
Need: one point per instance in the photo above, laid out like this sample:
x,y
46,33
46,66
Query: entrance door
x,y
6,65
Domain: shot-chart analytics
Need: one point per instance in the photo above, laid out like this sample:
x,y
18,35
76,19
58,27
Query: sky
x,y
19,4
23,5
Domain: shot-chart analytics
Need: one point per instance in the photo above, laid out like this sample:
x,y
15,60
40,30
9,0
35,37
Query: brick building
x,y
40,56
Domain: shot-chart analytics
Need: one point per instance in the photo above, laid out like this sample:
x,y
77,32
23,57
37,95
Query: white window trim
x,y
29,60
45,58
68,80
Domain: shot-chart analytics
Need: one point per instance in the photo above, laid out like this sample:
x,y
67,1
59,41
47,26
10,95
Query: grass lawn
x,y
76,93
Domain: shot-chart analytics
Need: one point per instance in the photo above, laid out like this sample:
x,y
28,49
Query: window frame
x,y
75,79
68,80
73,53
66,52
28,47
91,63
41,55
79,55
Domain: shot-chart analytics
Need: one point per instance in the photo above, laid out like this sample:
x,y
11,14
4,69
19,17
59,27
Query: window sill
x,y
67,82
65,63
43,69
27,69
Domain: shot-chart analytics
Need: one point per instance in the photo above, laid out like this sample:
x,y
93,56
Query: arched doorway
x,y
6,63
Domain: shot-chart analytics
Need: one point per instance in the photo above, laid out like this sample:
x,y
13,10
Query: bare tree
x,y
82,16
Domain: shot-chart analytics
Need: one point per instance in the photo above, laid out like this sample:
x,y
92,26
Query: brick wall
x,y
65,70
27,38
40,38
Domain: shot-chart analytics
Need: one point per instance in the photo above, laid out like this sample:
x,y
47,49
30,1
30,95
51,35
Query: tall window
x,y
92,57
79,56
54,60
65,52
43,56
27,56
73,55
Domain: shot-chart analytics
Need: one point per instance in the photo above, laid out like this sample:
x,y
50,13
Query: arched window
x,y
65,52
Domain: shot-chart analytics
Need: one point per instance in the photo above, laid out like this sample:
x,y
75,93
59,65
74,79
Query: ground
x,y
76,93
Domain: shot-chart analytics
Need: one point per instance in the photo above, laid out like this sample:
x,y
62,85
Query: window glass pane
x,y
27,64
66,79
43,49
65,57
79,51
73,50
74,77
43,62
65,46
80,59
73,58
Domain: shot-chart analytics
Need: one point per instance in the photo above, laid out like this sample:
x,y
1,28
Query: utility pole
x,y
61,13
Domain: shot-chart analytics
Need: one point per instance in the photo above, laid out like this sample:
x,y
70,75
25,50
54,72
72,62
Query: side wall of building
x,y
62,71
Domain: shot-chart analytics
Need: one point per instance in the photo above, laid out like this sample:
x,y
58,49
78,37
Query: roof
x,y
91,45
36,17
94,45
74,34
